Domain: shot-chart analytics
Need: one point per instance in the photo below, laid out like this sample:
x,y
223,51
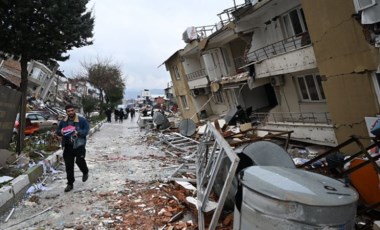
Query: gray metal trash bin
x,y
285,198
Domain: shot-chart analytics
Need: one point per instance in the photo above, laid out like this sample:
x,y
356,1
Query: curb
x,y
11,194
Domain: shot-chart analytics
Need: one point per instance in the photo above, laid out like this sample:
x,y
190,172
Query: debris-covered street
x,y
126,189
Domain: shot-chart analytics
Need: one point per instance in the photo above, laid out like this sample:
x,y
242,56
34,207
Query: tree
x,y
107,78
42,30
89,104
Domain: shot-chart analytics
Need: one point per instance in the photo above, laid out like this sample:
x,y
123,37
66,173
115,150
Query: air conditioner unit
x,y
200,91
189,35
277,81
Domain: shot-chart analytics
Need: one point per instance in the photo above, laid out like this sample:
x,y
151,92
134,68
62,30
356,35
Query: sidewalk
x,y
11,194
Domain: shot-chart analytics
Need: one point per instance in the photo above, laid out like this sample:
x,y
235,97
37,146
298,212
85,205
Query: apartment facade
x,y
281,52
346,47
294,72
174,64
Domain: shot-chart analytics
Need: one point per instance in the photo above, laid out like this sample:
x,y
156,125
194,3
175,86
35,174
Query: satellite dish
x,y
159,118
187,127
161,121
266,153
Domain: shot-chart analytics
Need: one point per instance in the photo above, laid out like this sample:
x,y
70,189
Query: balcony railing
x,y
225,18
281,47
304,118
196,75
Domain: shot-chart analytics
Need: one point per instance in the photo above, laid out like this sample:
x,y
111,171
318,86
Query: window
x,y
176,72
294,22
184,102
376,82
364,4
218,97
310,88
41,76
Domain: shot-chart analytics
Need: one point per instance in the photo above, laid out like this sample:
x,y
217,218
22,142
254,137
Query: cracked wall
x,y
346,60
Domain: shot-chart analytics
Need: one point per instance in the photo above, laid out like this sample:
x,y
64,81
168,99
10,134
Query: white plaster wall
x,y
294,61
199,103
191,64
323,134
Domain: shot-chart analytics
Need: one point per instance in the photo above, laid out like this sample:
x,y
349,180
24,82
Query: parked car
x,y
46,114
36,118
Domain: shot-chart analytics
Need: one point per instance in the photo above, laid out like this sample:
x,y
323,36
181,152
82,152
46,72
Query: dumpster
x,y
288,198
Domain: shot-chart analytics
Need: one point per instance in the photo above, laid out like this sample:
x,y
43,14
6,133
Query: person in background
x,y
73,129
132,111
116,113
121,115
127,110
108,114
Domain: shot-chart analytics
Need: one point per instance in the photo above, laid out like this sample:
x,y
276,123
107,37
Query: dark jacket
x,y
81,126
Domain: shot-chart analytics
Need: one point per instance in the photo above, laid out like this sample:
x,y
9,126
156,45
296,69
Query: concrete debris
x,y
150,206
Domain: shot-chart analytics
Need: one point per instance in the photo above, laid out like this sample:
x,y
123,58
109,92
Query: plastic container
x,y
285,198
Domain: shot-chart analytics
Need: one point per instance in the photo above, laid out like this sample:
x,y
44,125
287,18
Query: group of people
x,y
120,114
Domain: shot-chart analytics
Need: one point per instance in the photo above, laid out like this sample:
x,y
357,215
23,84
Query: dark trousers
x,y
70,156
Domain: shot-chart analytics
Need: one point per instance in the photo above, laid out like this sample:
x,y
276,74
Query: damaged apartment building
x,y
311,67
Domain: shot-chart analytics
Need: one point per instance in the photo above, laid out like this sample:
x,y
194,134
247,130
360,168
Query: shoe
x,y
69,187
85,177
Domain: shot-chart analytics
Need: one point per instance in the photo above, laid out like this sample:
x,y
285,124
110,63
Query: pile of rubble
x,y
153,205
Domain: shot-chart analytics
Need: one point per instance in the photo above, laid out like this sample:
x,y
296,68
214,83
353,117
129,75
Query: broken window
x,y
310,88
294,22
218,98
184,102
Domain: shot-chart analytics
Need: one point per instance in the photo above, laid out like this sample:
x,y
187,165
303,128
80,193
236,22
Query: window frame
x,y
176,72
287,22
184,102
218,97
376,83
358,6
317,87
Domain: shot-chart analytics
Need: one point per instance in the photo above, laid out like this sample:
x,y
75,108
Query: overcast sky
x,y
140,35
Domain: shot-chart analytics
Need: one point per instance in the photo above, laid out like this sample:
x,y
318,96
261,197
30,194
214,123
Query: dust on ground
x,y
126,188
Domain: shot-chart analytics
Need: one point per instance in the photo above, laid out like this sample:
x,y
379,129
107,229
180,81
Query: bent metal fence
x,y
213,148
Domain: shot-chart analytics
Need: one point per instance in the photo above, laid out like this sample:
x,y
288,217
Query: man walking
x,y
73,129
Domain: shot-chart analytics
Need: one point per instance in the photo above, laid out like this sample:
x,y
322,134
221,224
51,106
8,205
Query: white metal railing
x,y
293,117
196,74
277,48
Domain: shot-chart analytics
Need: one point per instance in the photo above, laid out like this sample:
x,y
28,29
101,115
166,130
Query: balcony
x,y
309,127
277,48
225,18
196,75
293,117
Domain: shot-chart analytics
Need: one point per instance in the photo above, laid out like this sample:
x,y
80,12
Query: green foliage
x,y
96,119
89,104
43,30
107,77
